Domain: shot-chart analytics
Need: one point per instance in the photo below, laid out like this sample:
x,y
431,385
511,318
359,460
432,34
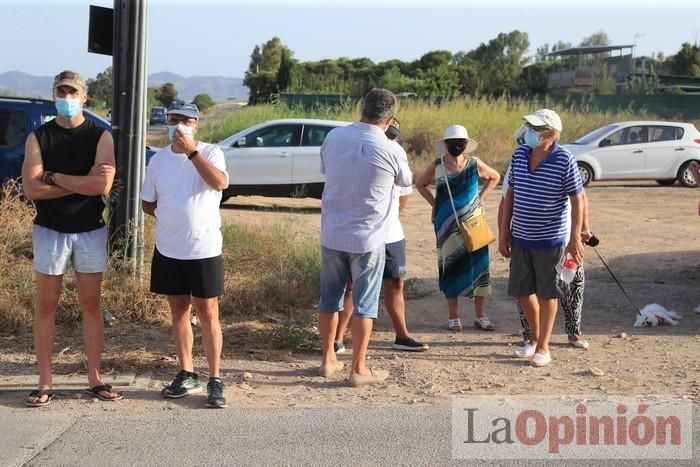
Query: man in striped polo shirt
x,y
533,227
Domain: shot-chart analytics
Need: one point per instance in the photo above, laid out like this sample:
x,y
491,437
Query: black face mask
x,y
455,149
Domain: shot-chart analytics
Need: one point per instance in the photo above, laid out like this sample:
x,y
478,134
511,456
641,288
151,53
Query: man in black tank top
x,y
68,167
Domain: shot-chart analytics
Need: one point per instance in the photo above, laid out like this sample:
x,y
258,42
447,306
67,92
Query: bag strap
x,y
449,191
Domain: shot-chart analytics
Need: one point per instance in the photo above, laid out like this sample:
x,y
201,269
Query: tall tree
x,y
599,38
686,61
263,77
100,88
167,94
501,61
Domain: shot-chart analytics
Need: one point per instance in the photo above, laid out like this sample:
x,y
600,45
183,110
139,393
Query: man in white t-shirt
x,y
182,189
394,272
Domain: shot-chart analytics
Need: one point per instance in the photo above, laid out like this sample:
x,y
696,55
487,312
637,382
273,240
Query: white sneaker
x,y
579,344
524,350
541,359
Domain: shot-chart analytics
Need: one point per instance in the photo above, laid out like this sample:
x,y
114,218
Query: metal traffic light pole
x,y
128,129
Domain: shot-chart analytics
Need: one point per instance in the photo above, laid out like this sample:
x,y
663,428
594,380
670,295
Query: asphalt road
x,y
292,436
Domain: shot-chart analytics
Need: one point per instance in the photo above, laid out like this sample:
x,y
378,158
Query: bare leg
x,y
361,329
212,338
395,306
480,306
452,308
48,290
548,312
345,315
89,286
182,329
327,325
531,309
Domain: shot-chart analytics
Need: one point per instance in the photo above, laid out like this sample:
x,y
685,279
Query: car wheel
x,y
685,176
586,173
666,182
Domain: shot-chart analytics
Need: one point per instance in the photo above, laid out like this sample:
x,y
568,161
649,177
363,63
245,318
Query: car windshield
x,y
596,134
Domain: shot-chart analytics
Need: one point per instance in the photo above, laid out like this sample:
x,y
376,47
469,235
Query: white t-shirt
x,y
567,224
394,230
188,221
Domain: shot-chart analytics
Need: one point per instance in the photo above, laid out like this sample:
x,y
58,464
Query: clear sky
x,y
209,37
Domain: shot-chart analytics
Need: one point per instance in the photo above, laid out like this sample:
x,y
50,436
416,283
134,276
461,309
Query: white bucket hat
x,y
456,132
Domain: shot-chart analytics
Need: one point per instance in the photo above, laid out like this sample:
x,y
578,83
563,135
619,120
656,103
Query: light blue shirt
x,y
361,166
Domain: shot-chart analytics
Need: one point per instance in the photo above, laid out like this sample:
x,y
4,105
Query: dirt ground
x,y
649,238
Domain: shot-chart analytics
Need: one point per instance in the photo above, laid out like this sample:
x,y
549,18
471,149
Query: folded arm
x,y
100,178
32,172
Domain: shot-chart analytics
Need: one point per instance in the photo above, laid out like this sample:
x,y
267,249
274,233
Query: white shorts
x,y
53,250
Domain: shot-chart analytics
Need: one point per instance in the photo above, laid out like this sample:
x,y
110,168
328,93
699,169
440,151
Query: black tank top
x,y
69,151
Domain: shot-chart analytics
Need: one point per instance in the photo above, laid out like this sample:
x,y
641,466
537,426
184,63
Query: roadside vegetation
x,y
490,121
267,272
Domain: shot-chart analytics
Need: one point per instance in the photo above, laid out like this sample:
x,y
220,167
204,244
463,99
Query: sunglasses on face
x,y
537,128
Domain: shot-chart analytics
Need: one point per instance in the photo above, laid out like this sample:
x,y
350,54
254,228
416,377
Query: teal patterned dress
x,y
460,273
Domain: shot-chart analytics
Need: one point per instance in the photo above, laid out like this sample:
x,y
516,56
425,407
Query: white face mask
x,y
184,129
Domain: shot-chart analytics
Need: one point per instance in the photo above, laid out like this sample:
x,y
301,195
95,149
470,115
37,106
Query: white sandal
x,y
484,324
454,325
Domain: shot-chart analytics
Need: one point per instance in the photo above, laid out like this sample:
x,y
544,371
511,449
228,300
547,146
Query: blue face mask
x,y
67,107
531,138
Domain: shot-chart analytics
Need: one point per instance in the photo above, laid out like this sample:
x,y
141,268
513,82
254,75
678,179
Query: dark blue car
x,y
19,116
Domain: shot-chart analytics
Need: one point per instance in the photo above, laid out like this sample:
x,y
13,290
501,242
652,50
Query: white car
x,y
659,151
277,158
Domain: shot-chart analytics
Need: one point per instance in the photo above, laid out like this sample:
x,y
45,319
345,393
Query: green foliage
x,y
203,101
100,89
599,38
686,61
647,84
294,334
269,72
166,94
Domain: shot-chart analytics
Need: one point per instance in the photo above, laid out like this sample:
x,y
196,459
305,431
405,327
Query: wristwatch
x,y
48,178
192,154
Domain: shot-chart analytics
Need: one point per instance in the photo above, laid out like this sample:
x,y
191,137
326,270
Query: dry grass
x,y
266,271
490,121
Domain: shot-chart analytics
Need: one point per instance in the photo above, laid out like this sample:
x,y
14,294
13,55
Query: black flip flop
x,y
95,391
39,394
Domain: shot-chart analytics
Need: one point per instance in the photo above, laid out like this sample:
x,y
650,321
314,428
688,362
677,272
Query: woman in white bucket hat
x,y
461,273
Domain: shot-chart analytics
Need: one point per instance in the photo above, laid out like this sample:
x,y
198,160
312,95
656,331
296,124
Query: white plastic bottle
x,y
569,268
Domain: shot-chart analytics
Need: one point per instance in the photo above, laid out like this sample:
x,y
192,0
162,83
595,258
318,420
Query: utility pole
x,y
129,130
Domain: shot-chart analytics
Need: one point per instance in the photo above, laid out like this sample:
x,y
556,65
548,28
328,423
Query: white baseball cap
x,y
544,117
456,132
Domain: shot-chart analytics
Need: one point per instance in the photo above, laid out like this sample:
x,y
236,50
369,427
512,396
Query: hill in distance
x,y
219,88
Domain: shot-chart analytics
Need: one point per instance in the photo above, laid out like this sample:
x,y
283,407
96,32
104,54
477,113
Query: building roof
x,y
593,49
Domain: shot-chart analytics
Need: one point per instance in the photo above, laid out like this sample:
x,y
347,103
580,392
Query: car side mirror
x,y
241,143
605,142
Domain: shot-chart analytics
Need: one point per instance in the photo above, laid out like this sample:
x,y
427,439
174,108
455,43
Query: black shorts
x,y
201,278
395,264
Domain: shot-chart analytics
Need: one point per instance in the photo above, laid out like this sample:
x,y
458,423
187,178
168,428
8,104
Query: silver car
x,y
656,150
277,158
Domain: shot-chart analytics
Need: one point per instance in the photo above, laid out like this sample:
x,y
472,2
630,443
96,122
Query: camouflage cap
x,y
69,78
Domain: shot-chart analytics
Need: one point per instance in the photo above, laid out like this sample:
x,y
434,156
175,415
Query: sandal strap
x,y
101,388
454,322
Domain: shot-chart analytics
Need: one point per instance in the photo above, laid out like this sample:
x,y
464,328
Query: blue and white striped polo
x,y
539,206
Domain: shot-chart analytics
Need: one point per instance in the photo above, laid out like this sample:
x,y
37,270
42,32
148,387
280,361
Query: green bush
x,y
203,101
